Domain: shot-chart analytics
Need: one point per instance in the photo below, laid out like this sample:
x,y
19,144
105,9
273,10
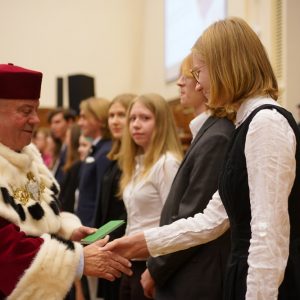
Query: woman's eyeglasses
x,y
195,74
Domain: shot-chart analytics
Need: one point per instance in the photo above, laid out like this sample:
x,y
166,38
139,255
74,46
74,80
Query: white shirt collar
x,y
96,140
249,105
198,122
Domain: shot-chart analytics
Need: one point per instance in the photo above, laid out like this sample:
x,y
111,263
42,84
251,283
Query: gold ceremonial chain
x,y
31,190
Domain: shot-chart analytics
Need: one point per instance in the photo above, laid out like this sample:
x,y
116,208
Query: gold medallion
x,y
32,190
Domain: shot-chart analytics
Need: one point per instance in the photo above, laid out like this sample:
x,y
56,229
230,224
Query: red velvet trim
x,y
16,254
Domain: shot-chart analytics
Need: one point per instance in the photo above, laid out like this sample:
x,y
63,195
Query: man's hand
x,y
133,246
104,264
148,284
81,232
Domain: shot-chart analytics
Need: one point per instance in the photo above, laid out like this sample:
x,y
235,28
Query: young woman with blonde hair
x,y
259,186
110,205
149,159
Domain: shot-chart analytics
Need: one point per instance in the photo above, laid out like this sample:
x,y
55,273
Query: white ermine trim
x,y
69,222
51,273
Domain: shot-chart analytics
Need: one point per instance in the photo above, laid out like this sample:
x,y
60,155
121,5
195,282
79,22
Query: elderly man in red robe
x,y
39,255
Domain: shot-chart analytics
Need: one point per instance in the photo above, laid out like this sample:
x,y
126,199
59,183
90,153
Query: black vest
x,y
234,192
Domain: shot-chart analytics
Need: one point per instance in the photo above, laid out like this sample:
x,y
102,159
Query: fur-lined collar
x,y
20,159
31,204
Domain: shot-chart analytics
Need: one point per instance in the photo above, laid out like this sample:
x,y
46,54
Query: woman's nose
x,y
115,120
136,123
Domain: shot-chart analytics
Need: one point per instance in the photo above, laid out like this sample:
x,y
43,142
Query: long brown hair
x,y
72,155
164,138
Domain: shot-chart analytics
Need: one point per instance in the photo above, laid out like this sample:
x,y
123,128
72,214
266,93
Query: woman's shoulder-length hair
x,y
238,64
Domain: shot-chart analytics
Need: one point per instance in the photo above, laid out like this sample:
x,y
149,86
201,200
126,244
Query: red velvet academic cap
x,y
19,83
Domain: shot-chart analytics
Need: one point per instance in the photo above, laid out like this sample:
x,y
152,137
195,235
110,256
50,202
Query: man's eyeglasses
x,y
195,74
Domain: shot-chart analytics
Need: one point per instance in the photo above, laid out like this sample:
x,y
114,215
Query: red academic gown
x,y
16,254
36,259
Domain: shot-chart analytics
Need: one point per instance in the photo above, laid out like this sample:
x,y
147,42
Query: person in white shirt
x,y
149,158
259,187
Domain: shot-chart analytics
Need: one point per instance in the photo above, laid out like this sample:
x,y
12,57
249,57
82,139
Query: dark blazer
x,y
110,207
91,175
69,186
195,273
59,172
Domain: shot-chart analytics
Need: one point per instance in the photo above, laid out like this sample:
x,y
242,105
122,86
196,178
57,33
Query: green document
x,y
102,231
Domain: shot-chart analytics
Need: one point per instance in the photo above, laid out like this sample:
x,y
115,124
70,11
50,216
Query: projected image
x,y
184,23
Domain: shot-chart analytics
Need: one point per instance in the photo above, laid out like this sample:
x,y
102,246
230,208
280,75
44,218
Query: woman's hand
x,y
133,246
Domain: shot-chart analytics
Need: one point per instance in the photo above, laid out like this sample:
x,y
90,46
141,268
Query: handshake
x,y
110,260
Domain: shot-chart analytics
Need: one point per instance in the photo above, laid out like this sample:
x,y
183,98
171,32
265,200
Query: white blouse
x,y
144,197
270,157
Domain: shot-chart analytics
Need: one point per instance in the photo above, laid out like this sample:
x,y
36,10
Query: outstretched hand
x,y
104,264
133,246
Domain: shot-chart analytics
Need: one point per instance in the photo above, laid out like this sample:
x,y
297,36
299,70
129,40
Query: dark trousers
x,y
131,288
108,290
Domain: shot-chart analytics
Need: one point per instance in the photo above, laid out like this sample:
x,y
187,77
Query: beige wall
x,y
120,42
152,76
61,37
292,55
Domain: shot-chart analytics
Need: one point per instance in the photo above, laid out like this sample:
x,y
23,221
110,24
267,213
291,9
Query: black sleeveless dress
x,y
234,192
